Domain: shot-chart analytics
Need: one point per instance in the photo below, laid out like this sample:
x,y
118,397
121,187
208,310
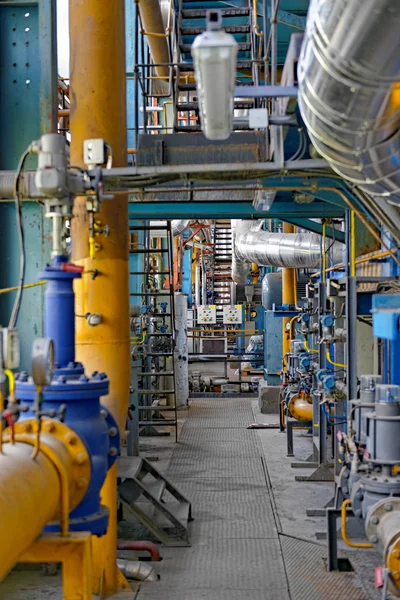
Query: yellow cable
x,y
11,382
345,504
25,287
291,325
141,340
309,349
328,356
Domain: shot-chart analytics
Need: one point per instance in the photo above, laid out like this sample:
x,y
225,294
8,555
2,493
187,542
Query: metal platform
x,y
237,552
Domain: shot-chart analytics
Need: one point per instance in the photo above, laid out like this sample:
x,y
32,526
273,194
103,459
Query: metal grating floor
x,y
237,552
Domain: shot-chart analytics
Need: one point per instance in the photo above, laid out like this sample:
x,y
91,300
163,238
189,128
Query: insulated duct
x,y
179,226
349,98
153,25
286,250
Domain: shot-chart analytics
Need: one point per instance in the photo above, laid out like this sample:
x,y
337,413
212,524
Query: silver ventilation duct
x,y
292,250
349,98
178,226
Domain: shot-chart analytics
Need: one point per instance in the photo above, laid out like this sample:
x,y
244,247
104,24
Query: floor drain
x,y
344,565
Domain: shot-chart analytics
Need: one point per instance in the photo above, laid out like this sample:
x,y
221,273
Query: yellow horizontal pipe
x,y
29,498
38,483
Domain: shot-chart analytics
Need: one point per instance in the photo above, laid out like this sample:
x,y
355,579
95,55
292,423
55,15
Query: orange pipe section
x,y
98,110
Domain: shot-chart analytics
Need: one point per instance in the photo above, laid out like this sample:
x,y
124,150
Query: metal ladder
x,y
157,360
155,502
222,268
190,23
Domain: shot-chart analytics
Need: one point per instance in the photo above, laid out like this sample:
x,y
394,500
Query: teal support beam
x,y
233,210
331,233
28,108
287,18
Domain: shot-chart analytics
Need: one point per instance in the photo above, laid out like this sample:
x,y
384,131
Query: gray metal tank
x,y
271,290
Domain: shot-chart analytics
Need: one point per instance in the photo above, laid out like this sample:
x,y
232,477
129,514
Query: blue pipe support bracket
x,y
81,395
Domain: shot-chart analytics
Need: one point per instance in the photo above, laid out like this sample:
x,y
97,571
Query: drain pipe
x,y
348,90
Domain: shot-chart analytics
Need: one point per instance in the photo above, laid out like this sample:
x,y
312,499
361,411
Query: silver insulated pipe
x,y
291,250
349,73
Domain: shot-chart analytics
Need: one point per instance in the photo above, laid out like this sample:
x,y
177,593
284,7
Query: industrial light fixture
x,y
214,54
263,199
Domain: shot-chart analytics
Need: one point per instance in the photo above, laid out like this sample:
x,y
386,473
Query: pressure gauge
x,y
42,361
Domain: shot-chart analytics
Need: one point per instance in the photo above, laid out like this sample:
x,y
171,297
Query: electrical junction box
x,y
94,152
258,118
206,314
233,314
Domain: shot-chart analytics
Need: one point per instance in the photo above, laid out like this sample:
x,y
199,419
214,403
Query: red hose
x,y
136,545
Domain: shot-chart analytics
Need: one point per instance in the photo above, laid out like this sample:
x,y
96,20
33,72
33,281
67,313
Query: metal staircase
x,y
154,501
156,378
190,23
222,267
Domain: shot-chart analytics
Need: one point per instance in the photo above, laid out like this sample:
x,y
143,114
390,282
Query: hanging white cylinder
x,y
181,351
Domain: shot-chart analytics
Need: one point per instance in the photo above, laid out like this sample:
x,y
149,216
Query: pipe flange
x,y
58,437
357,496
376,483
379,511
383,529
344,480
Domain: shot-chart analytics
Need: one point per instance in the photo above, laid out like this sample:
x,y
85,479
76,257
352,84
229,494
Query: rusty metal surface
x,y
184,149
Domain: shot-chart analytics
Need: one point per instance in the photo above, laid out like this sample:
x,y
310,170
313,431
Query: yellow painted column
x,y
98,110
288,294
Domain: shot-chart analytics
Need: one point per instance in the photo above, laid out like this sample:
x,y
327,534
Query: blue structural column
x,y
187,270
28,108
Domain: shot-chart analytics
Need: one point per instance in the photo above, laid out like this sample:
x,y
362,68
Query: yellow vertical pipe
x,y
98,110
288,294
254,269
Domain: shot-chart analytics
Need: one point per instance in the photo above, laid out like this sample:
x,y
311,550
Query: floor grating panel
x,y
236,553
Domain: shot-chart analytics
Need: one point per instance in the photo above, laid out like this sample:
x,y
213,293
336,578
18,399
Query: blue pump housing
x,y
81,394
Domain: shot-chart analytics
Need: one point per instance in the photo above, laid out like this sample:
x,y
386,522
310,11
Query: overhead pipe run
x,y
285,250
349,92
153,28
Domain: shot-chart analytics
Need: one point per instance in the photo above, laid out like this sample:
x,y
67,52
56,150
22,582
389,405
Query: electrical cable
x,y
21,237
